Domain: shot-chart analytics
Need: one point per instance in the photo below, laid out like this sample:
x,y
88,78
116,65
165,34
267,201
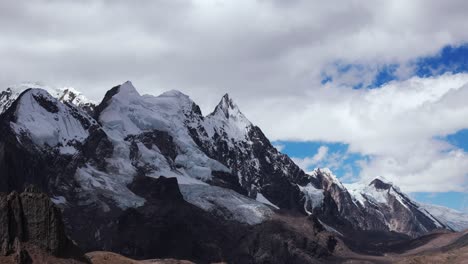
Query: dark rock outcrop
x,y
30,218
105,101
379,184
161,188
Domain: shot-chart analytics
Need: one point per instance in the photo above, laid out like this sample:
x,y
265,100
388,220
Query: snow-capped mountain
x,y
397,211
149,138
63,94
39,136
49,124
7,97
90,158
454,219
229,137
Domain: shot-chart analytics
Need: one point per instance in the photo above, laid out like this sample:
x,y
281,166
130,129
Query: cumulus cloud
x,y
307,162
337,160
279,147
271,57
400,126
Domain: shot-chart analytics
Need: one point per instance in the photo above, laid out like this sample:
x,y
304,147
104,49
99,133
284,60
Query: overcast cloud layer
x,y
271,57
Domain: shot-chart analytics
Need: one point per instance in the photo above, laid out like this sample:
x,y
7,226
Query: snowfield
x,y
226,203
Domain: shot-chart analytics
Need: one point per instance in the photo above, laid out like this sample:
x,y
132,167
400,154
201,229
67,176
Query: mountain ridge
x,y
63,94
224,165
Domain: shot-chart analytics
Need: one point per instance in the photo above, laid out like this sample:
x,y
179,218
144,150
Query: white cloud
x,y
279,147
334,160
307,162
437,172
321,154
398,125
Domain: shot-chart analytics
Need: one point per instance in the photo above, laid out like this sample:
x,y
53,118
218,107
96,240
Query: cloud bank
x,y
400,126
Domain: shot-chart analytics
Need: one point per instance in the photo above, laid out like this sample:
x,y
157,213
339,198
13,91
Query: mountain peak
x,y
228,109
128,89
228,119
381,183
327,174
226,97
63,94
174,93
124,92
227,103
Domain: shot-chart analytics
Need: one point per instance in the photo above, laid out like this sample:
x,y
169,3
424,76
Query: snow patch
x,y
355,190
58,200
314,197
263,199
226,203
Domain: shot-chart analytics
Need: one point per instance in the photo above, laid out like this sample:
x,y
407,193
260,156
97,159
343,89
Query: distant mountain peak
x,y
227,107
381,183
229,120
327,174
128,89
63,94
174,93
227,99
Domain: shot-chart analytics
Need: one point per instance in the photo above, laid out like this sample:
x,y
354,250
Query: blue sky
x,y
346,164
453,59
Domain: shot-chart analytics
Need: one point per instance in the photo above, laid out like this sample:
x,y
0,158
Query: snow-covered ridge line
x,y
63,94
383,192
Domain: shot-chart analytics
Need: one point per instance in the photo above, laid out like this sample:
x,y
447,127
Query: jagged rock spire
x,y
227,109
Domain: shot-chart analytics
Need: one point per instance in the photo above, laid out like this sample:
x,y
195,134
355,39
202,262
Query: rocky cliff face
x,y
31,219
394,209
227,136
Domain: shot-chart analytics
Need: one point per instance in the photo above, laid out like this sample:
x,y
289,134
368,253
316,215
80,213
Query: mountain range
x,y
151,176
